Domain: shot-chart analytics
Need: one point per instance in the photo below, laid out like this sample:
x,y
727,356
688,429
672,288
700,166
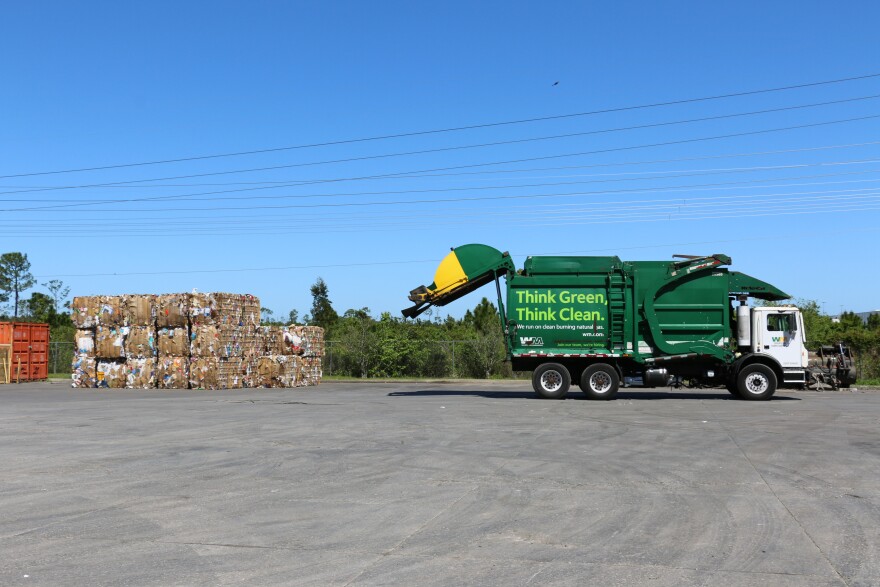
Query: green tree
x,y
15,276
293,317
323,314
358,339
59,293
485,353
40,307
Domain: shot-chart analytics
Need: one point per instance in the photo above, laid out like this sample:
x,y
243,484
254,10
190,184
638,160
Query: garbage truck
x,y
603,322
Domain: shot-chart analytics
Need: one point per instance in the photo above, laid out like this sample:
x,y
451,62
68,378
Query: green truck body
x,y
651,322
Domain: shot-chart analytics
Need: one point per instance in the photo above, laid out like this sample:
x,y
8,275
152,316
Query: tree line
x,y
363,345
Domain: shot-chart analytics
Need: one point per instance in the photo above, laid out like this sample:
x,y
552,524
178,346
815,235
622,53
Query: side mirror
x,y
792,322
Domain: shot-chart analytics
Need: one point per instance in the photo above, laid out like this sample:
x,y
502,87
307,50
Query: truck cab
x,y
775,336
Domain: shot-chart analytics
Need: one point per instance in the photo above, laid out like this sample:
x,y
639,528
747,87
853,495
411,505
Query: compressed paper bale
x,y
204,373
172,310
84,311
224,309
139,310
84,371
237,372
110,311
225,341
312,341
140,373
140,342
205,342
110,342
173,342
311,371
111,374
250,309
84,341
230,373
172,372
277,371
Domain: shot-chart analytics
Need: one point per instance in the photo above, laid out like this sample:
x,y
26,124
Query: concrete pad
x,y
436,484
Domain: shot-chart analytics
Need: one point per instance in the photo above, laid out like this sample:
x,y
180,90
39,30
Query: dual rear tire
x,y
598,382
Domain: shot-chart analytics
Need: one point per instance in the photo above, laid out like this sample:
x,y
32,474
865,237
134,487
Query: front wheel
x,y
756,383
600,382
551,381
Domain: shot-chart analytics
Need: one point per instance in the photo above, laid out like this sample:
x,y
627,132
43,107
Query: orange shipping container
x,y
30,350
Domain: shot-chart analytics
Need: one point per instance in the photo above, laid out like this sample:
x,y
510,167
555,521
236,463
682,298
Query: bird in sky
x,y
556,83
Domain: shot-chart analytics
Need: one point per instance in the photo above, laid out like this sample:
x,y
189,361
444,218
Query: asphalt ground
x,y
437,484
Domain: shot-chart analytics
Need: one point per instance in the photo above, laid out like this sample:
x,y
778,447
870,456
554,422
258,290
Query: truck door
x,y
780,338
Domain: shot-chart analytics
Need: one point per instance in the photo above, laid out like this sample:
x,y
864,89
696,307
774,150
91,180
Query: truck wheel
x,y
551,381
600,382
756,382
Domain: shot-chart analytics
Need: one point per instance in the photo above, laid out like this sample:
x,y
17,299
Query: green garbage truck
x,y
603,322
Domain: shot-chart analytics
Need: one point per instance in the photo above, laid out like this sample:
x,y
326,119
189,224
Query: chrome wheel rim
x,y
551,380
757,383
600,382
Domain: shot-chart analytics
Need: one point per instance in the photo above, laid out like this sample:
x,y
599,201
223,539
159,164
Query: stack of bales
x,y
180,341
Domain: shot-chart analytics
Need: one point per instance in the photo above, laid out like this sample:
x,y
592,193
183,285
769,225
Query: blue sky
x,y
106,83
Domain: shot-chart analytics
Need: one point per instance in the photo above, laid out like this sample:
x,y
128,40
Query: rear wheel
x,y
756,382
551,381
600,382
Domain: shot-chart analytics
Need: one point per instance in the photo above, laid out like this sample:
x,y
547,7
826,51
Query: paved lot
x,y
436,484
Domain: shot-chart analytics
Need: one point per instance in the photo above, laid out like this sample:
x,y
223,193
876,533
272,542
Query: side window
x,y
779,322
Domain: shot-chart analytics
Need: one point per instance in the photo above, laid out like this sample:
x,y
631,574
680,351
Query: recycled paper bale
x,y
313,341
311,371
229,373
84,341
84,370
139,310
84,311
173,341
140,373
250,310
140,342
224,309
110,342
204,373
276,371
111,374
172,372
224,341
110,311
204,341
172,310
236,373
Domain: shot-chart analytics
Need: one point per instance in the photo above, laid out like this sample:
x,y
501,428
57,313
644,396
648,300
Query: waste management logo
x,y
531,341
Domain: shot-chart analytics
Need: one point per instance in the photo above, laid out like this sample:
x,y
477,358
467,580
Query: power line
x,y
286,183
670,174
628,218
600,208
481,198
452,129
615,149
262,221
458,147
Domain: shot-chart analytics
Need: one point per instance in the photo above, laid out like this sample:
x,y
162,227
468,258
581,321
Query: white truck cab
x,y
778,333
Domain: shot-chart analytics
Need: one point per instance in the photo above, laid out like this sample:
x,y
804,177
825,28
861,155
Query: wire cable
x,y
609,150
453,129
